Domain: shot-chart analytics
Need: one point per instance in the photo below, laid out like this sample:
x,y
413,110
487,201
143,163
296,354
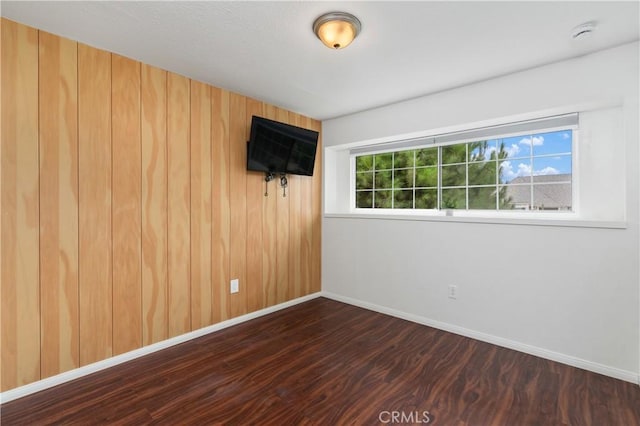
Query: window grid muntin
x,y
497,161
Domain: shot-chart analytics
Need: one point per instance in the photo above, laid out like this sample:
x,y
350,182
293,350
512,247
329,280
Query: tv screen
x,y
276,147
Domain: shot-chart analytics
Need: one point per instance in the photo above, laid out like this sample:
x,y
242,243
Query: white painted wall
x,y
569,291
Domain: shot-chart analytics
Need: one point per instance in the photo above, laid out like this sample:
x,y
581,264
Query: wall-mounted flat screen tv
x,y
276,147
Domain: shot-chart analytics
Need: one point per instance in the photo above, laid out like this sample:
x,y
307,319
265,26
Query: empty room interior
x,y
320,213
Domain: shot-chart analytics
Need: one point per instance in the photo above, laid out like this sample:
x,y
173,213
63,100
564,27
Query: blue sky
x,y
553,147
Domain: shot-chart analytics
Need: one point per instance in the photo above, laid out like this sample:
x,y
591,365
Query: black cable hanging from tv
x,y
269,176
283,184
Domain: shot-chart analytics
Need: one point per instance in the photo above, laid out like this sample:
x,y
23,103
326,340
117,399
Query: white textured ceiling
x,y
267,50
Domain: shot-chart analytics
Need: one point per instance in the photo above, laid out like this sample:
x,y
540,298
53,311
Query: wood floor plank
x,y
324,362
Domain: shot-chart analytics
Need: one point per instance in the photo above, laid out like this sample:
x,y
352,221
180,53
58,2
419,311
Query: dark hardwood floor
x,y
326,363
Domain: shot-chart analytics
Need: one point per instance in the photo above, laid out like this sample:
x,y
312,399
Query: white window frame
x,y
524,128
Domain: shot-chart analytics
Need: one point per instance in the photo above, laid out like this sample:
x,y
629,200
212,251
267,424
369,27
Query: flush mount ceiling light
x,y
337,29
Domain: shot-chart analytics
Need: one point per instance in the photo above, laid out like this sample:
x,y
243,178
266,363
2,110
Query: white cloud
x,y
565,136
546,171
508,173
512,150
523,170
535,141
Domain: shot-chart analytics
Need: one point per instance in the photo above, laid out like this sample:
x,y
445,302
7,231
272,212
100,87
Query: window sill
x,y
561,219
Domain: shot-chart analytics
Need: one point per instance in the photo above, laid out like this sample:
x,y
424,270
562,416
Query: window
x,y
524,170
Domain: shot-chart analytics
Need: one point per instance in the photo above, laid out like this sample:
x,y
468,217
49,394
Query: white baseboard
x,y
628,376
67,376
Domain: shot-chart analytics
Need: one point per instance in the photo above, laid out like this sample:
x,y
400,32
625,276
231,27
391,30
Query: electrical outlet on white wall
x,y
235,286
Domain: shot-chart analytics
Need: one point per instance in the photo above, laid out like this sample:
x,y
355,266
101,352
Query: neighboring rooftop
x,y
550,192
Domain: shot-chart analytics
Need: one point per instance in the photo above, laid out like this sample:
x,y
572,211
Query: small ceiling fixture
x,y
337,29
583,30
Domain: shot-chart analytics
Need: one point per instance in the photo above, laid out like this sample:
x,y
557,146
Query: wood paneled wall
x,y
127,207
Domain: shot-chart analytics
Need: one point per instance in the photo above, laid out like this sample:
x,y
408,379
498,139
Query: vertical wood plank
x,y
220,204
94,214
270,232
200,205
306,223
19,224
316,257
154,204
58,134
179,204
295,192
255,195
283,292
126,204
238,201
